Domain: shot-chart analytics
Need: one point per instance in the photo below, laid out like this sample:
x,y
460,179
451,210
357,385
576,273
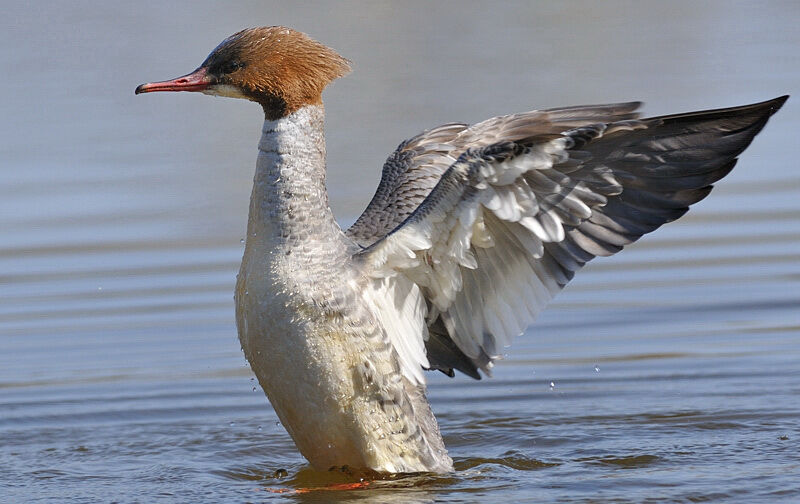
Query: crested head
x,y
280,68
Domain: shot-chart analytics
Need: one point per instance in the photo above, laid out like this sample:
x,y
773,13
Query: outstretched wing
x,y
510,222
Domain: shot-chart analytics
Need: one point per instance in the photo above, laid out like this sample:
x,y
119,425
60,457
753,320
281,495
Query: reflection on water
x,y
120,374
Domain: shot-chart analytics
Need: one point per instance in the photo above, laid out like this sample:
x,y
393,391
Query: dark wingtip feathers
x,y
766,109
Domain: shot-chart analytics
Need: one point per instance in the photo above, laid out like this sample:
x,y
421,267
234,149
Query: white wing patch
x,y
399,306
485,226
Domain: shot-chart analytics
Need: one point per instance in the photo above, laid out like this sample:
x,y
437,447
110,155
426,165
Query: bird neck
x,y
289,203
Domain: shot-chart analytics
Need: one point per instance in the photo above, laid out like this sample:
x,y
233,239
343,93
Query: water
x,y
666,373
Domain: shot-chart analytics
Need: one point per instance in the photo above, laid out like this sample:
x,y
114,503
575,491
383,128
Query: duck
x,y
473,229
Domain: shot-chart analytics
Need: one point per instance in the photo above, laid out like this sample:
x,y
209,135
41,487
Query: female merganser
x,y
472,230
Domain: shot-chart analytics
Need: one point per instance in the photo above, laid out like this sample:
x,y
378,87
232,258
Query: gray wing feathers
x,y
532,197
416,166
408,176
661,169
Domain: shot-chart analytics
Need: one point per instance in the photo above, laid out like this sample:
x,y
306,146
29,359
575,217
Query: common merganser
x,y
472,230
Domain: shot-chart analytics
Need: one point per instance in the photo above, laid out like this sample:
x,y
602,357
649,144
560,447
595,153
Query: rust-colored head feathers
x,y
280,68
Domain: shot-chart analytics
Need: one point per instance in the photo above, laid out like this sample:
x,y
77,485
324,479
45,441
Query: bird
x,y
473,229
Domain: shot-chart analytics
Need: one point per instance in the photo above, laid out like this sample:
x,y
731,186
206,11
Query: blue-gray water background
x,y
670,372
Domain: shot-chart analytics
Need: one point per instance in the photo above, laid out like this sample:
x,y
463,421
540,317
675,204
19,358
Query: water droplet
x,y
254,389
281,473
277,424
241,240
259,428
596,368
232,424
552,385
99,288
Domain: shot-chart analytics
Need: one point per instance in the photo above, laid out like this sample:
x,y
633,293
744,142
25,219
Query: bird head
x,y
280,68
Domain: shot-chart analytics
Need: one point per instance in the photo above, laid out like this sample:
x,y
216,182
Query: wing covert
x,y
416,166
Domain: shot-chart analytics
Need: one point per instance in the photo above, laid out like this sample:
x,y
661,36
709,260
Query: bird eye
x,y
231,66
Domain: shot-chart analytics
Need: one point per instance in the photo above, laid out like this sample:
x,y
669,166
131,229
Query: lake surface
x,y
670,372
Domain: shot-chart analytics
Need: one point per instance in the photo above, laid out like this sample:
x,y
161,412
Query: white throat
x,y
289,202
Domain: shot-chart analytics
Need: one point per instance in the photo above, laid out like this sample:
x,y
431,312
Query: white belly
x,y
325,380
